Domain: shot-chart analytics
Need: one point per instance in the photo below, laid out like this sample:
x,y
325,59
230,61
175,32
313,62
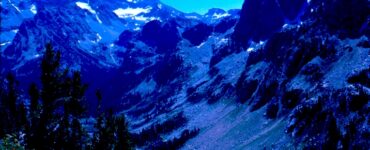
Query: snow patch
x,y
218,16
98,19
85,6
223,41
6,43
99,38
255,46
14,6
132,1
251,49
131,12
285,25
33,9
191,17
15,31
201,45
144,19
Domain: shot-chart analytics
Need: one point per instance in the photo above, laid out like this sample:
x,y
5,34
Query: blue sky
x,y
202,6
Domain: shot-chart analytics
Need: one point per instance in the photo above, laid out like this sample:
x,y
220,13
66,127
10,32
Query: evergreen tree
x,y
62,96
74,103
12,96
11,120
34,97
112,132
123,136
41,138
55,111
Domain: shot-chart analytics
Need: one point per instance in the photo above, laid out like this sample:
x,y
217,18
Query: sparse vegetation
x,y
361,78
272,110
152,134
324,122
177,142
245,89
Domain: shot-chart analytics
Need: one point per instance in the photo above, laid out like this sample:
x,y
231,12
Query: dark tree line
x,y
52,120
151,138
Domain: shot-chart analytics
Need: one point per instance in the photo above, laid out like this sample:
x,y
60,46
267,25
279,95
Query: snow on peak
x,y
145,19
218,15
132,1
130,12
192,17
85,6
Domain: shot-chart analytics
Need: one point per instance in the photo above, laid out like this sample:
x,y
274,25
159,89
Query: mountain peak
x,y
215,11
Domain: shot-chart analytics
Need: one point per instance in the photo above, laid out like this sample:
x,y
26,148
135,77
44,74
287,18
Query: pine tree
x,y
12,94
2,108
9,115
112,132
55,111
74,104
51,88
123,136
34,97
62,98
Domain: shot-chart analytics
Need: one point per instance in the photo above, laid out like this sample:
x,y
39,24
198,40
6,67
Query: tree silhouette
x,y
112,132
62,98
53,118
34,97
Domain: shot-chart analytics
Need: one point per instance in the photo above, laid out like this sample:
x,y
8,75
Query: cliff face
x,y
259,19
307,70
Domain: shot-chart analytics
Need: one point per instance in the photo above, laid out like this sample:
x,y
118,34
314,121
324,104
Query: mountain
x,y
12,15
112,40
100,23
276,74
259,19
88,38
